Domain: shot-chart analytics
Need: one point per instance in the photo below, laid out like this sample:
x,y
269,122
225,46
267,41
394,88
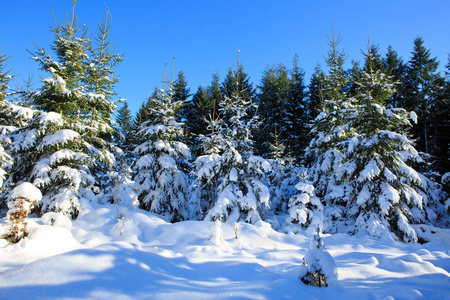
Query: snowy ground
x,y
143,257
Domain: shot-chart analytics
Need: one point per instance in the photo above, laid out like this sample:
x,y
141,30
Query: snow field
x,y
144,257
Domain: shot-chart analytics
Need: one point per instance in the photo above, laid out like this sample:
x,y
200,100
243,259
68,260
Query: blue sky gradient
x,y
204,36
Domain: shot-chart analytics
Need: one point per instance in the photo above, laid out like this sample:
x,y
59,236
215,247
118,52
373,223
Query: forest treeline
x,y
360,149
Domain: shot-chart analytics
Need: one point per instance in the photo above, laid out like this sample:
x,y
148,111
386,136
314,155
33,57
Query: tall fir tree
x,y
296,113
371,180
5,158
238,81
162,184
181,92
394,67
329,129
230,165
197,111
272,98
315,93
124,120
61,148
422,88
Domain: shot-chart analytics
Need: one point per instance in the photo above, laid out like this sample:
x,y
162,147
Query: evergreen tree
x,y
305,209
180,89
272,98
395,68
64,91
315,93
143,115
238,81
329,129
61,147
125,120
197,111
12,117
297,115
51,155
372,180
422,89
230,165
5,78
100,80
162,185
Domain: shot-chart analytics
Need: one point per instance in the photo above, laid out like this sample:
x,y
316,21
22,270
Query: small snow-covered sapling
x,y
319,266
24,197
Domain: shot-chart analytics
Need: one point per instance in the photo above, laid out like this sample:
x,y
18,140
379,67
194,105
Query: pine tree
x,y
297,115
100,80
51,155
230,165
12,117
180,89
5,78
238,81
272,98
395,68
144,113
125,121
60,147
376,185
197,110
315,93
305,209
319,268
328,130
421,91
64,91
215,95
162,185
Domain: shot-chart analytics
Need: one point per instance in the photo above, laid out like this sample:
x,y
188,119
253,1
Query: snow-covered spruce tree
x,y
97,108
5,159
161,182
330,128
305,209
242,194
281,179
51,152
383,191
52,156
12,117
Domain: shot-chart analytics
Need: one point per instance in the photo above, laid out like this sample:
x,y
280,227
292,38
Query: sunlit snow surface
x,y
143,257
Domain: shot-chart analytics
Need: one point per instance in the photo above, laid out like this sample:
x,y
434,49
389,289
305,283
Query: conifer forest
x,y
357,156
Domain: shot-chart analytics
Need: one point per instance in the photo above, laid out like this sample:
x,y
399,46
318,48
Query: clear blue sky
x,y
204,36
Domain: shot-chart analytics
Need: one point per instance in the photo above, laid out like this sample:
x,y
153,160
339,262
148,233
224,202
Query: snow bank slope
x,y
144,257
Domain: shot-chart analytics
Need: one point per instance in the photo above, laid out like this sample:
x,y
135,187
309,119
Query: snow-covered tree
x,y
330,128
305,209
162,184
12,117
229,165
365,175
377,162
52,156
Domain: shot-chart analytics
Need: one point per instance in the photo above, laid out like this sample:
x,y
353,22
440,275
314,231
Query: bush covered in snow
x,y
23,199
319,268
